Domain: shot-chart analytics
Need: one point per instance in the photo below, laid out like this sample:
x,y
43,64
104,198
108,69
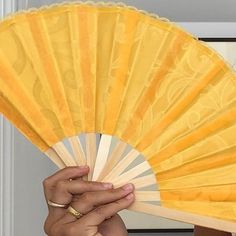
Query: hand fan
x,y
130,94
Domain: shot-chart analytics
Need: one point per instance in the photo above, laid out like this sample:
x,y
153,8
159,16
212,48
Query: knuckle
x,y
86,197
61,186
100,211
71,231
46,183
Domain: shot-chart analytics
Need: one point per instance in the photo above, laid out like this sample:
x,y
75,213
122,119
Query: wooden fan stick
x,y
113,159
122,165
146,196
140,182
55,158
64,154
183,216
143,181
131,174
77,150
90,141
102,155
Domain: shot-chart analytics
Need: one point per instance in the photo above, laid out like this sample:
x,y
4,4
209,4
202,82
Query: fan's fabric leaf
x,y
12,113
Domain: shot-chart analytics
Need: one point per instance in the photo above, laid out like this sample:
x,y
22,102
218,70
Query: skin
x,y
98,202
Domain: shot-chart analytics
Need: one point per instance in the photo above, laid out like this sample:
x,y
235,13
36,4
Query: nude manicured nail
x,y
128,187
108,185
130,196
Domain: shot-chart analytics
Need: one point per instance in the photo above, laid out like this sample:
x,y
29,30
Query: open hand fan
x,y
162,101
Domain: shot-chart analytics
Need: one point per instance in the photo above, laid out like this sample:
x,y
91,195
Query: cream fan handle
x,y
147,196
121,166
90,141
102,155
140,182
77,150
113,159
183,216
64,154
131,174
55,158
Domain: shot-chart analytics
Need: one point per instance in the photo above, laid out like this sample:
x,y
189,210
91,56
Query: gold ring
x,y
54,204
75,213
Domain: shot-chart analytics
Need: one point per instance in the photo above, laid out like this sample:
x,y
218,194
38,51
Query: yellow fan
x,y
163,102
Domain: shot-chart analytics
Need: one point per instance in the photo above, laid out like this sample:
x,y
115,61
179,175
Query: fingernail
x,y
128,187
130,196
108,185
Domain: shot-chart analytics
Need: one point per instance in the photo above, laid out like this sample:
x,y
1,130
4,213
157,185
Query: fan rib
x,y
147,196
90,142
191,218
121,166
143,181
113,159
132,173
102,155
77,151
55,158
61,150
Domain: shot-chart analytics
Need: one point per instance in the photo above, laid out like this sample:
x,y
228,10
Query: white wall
x,y
179,11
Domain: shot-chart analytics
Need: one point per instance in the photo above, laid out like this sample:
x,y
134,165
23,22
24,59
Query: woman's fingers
x,y
93,219
65,190
64,174
60,190
102,213
90,200
88,224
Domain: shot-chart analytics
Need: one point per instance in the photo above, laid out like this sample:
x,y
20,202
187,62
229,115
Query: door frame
x,y
6,156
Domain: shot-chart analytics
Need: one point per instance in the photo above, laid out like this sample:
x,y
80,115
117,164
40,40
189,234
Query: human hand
x,y
97,201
